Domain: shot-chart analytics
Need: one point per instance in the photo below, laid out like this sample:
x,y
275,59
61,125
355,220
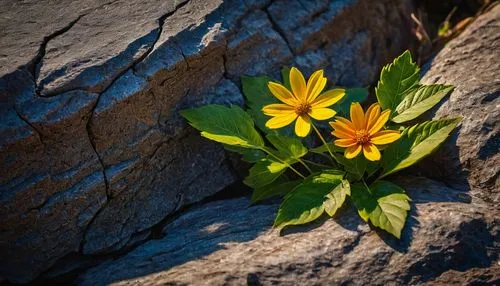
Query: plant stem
x,y
318,164
305,165
323,140
364,183
279,159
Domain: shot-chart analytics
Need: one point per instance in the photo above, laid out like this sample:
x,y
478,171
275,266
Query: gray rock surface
x,y
93,151
230,242
471,160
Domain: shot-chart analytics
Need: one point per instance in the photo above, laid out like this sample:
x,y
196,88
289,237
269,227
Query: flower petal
x,y
342,135
316,89
321,113
302,126
312,82
372,114
329,98
385,137
346,122
298,83
280,121
353,151
278,109
357,116
342,127
371,152
344,142
282,93
380,122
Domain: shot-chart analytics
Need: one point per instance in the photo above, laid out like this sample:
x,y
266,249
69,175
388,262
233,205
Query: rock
x,y
93,151
471,160
230,242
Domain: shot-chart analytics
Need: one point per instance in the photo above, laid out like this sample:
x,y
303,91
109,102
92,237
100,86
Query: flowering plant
x,y
366,147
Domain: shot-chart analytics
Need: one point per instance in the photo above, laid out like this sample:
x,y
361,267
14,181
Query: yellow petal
x,y
372,114
329,98
344,142
357,116
316,89
385,137
371,152
277,109
380,122
353,151
342,135
321,113
312,82
282,93
342,127
302,126
346,122
298,83
280,121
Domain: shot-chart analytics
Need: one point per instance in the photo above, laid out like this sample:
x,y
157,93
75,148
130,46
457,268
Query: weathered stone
x,y
471,159
89,99
230,242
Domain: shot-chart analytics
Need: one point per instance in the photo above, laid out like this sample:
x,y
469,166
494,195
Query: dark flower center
x,y
303,109
362,137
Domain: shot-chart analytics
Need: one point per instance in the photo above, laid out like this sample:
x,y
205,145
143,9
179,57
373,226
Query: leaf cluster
x,y
283,166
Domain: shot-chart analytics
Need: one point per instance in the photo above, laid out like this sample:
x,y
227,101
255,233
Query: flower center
x,y
303,109
362,136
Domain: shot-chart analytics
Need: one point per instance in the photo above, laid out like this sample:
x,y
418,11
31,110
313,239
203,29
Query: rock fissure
x,y
41,52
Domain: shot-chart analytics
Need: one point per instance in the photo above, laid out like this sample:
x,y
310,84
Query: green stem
x,y
368,188
279,159
305,165
323,140
318,164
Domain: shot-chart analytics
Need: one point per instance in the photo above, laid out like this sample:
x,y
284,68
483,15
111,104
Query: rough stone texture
x,y
471,160
230,242
93,151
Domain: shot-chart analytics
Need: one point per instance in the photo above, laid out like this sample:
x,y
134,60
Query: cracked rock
x,y
470,62
89,99
229,242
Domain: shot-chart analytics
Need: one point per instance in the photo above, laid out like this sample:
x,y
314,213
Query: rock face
x,y
471,160
231,243
93,152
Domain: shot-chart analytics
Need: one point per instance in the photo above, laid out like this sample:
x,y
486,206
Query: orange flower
x,y
303,102
363,132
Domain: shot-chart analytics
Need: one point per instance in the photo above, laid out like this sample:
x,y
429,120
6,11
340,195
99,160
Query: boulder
x,y
93,151
471,159
230,242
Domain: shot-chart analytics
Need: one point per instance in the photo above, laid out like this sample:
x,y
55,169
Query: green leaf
x,y
289,148
227,125
420,100
384,204
264,173
305,203
248,155
355,167
416,143
274,189
336,198
358,94
396,80
257,95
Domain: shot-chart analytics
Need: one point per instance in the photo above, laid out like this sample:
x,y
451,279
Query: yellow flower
x,y
302,102
363,132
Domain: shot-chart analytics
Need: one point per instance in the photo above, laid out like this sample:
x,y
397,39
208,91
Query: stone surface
x,y
471,160
93,151
230,242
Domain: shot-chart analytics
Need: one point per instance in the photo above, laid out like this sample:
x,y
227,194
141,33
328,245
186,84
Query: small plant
x,y
367,147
